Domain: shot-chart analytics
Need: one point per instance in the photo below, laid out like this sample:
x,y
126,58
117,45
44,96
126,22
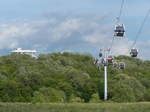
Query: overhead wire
x,y
140,30
138,33
120,12
118,20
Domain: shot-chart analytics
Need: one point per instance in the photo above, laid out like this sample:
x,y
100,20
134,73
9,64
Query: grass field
x,y
103,107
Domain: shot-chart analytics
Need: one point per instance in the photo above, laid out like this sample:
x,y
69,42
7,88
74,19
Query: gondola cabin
x,y
115,64
134,52
121,65
119,30
110,59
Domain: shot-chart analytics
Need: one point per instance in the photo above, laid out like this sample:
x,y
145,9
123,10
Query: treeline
x,y
71,77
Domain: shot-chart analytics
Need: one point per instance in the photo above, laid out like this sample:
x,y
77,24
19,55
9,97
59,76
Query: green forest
x,y
71,77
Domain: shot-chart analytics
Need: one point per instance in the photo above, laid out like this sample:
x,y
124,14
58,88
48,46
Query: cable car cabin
x,y
119,30
115,64
121,65
110,59
134,53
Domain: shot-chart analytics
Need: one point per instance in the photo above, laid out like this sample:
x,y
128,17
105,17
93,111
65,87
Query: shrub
x,y
95,98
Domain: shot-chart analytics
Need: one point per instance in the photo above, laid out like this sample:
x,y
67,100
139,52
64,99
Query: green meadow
x,y
75,107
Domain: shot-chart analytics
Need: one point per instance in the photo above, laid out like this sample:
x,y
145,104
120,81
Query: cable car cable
x,y
118,20
120,12
140,30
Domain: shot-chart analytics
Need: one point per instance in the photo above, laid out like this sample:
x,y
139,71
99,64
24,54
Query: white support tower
x,y
105,83
106,52
103,60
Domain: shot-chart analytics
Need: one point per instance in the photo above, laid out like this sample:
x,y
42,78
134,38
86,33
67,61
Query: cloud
x,y
78,34
51,35
144,48
65,29
10,33
121,47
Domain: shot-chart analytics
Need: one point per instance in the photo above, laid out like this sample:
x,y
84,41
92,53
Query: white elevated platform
x,y
28,52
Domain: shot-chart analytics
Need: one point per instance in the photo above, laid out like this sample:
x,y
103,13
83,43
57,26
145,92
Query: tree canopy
x,y
71,77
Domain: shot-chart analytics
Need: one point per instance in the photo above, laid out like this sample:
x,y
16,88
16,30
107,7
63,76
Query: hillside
x,y
70,77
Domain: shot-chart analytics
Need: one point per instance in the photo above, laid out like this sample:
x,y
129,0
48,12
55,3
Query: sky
x,y
82,26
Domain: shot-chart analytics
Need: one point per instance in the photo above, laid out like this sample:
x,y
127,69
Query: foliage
x,y
70,77
47,95
124,88
95,98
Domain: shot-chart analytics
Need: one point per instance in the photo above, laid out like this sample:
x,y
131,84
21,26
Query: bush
x,y
95,98
76,100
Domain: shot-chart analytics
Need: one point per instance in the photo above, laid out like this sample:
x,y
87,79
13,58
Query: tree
x,y
124,88
48,95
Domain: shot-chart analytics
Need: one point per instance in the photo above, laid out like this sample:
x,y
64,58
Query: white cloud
x,y
121,47
75,34
10,33
39,34
65,29
96,38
